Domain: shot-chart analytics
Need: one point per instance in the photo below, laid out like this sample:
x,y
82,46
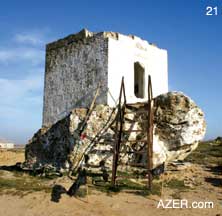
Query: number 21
x,y
211,11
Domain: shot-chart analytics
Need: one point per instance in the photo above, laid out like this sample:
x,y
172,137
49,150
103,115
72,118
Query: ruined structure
x,y
76,65
74,135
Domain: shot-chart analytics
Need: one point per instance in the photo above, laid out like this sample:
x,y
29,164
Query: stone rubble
x,y
179,125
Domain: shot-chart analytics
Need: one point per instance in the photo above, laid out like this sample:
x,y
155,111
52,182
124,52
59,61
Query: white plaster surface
x,y
122,54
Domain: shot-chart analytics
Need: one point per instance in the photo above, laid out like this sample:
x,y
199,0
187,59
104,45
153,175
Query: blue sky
x,y
193,41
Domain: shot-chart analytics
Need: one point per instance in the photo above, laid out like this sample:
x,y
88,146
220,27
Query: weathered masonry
x,y
76,65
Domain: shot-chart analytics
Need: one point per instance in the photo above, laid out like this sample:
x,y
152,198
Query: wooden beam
x,y
150,133
118,134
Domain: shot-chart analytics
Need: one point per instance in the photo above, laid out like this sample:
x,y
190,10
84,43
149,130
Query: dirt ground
x,y
24,195
11,157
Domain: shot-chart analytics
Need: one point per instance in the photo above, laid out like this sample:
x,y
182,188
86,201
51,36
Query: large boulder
x,y
179,125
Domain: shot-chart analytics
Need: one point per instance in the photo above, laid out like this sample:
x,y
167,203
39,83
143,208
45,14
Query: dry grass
x,y
21,184
208,153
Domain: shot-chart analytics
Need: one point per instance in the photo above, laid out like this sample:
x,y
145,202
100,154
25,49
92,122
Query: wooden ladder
x,y
122,105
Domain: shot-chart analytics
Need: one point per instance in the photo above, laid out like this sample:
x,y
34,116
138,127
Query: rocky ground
x,y
199,178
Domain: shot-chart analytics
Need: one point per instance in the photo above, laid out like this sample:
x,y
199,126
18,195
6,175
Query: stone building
x,y
76,65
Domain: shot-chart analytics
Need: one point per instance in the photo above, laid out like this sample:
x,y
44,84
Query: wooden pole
x,y
150,133
117,139
90,109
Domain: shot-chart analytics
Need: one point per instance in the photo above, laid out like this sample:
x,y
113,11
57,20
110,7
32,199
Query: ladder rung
x,y
109,141
144,120
100,151
133,130
136,104
125,141
134,152
138,111
134,121
142,165
130,120
132,177
137,164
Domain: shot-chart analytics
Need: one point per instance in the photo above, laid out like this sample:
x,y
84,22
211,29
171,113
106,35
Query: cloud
x,y
20,107
21,85
26,46
30,38
33,83
32,55
16,91
35,37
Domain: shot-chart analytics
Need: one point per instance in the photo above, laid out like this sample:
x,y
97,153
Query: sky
x,y
193,41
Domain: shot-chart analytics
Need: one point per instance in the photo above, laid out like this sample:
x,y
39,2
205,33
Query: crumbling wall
x,y
74,67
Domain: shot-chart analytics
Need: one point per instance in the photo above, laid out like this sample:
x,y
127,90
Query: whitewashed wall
x,y
122,54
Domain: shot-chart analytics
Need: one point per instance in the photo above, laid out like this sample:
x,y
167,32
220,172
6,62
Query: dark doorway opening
x,y
139,80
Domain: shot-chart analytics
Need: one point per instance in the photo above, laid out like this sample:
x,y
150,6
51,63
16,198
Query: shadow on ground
x,y
214,181
15,167
57,191
216,170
